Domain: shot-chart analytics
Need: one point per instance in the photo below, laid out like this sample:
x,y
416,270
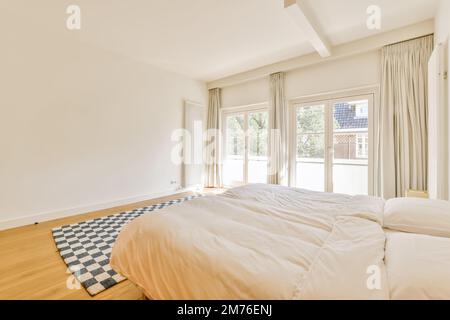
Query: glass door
x,y
351,143
246,147
258,132
331,145
235,159
310,147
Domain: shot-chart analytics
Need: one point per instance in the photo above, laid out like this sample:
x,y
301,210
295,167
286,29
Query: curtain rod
x,y
431,34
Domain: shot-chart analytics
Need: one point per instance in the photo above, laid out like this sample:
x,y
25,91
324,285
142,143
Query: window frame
x,y
365,145
370,93
245,110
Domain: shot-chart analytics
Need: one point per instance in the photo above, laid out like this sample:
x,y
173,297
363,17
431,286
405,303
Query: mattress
x,y
418,266
258,242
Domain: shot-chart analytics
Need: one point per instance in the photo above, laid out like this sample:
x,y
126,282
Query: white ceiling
x,y
345,20
204,39
211,39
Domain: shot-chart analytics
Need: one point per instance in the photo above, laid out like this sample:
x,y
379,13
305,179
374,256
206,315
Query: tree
x,y
310,128
258,123
257,134
310,132
235,127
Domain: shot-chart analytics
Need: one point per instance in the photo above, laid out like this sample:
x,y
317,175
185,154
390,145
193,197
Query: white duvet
x,y
258,242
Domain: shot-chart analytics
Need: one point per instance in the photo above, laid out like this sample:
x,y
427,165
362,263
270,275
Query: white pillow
x,y
417,215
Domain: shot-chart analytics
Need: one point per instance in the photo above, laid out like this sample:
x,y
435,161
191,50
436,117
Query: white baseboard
x,y
58,214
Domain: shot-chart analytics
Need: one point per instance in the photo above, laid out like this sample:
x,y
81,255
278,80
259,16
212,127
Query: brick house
x,y
351,138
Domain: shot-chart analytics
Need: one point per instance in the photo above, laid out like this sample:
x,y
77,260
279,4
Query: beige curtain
x,y
213,177
402,146
278,156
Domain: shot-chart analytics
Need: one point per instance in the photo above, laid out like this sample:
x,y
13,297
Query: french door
x,y
331,145
245,153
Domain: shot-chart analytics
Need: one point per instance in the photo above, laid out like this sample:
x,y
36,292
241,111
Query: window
x,y
235,148
246,145
330,145
310,147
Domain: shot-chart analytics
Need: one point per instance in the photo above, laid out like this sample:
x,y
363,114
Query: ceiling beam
x,y
372,43
303,19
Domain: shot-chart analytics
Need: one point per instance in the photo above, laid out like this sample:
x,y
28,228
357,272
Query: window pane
x,y
257,171
258,123
351,115
311,119
310,164
235,135
310,175
257,134
351,147
233,169
350,178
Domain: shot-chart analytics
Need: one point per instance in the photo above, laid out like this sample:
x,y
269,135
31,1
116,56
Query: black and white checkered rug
x,y
86,246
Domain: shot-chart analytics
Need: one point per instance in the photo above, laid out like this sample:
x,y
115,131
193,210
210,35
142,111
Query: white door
x,y
331,145
245,146
193,123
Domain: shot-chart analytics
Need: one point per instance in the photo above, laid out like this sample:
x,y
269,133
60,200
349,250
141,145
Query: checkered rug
x,y
86,246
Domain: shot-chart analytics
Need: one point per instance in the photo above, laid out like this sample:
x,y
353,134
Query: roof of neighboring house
x,y
345,115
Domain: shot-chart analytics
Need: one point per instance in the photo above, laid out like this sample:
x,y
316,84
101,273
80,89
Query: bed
x,y
275,242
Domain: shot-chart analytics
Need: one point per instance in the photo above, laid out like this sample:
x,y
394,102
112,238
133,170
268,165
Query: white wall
x,y
347,73
442,33
81,127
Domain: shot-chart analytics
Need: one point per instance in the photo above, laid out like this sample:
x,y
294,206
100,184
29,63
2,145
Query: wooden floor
x,y
31,267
